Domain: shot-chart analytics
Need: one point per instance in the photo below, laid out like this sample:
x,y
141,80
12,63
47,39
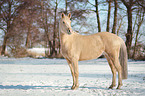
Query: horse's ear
x,y
69,15
62,15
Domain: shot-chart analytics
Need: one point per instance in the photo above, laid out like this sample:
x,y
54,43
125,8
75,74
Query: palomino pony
x,y
76,47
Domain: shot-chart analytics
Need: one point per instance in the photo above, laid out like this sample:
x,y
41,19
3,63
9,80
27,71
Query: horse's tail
x,y
123,60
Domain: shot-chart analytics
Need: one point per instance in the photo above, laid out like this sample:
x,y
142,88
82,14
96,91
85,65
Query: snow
x,y
51,77
38,50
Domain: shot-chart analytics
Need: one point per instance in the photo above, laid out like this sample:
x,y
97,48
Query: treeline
x,y
34,23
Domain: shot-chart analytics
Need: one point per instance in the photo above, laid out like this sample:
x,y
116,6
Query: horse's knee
x,y
113,69
117,65
76,74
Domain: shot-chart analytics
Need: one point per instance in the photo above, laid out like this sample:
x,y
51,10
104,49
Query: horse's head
x,y
65,24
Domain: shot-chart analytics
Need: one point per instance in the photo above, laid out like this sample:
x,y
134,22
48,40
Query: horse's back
x,y
108,35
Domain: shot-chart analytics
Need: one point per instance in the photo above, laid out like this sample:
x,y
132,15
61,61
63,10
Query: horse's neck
x,y
63,37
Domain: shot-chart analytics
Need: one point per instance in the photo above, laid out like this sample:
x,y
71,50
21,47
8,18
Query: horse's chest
x,y
65,50
69,50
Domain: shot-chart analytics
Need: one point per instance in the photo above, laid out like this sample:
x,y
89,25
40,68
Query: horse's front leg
x,y
72,72
76,73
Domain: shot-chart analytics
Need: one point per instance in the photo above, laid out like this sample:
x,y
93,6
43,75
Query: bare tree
x,y
15,17
10,10
141,3
45,24
54,52
28,37
140,18
30,17
97,14
120,18
129,34
115,17
108,16
66,6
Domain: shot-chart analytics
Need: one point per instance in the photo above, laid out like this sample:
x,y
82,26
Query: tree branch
x,y
125,3
91,3
3,30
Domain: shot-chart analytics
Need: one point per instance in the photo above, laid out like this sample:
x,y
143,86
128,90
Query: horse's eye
x,y
63,22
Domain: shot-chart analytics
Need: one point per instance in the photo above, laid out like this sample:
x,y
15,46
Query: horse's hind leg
x,y
113,69
119,69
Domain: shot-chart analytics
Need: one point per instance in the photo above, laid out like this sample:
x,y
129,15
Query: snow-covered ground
x,y
51,77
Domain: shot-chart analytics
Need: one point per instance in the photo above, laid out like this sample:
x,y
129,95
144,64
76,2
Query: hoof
x,y
111,87
75,87
119,86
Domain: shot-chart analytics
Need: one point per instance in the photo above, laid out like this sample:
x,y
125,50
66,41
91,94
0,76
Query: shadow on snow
x,y
27,87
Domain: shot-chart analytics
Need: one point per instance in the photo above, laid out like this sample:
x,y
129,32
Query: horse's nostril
x,y
69,31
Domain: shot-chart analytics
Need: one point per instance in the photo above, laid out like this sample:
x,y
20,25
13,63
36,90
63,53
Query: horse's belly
x,y
90,55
